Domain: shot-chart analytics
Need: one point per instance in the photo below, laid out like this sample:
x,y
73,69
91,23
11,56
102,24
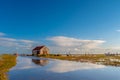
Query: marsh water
x,y
33,68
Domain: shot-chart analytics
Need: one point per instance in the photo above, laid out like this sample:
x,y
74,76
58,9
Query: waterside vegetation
x,y
7,61
109,60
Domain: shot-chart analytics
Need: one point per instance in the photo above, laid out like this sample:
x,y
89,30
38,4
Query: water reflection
x,y
106,62
109,63
30,68
67,66
30,62
24,63
41,62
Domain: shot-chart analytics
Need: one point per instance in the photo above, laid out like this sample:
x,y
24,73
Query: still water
x,y
33,68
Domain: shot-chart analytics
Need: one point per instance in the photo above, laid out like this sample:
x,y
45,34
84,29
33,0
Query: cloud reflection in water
x,y
29,63
57,66
67,66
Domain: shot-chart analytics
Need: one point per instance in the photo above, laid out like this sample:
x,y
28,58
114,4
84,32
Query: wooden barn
x,y
40,50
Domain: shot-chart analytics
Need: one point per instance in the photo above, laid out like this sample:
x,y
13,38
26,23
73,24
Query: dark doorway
x,y
37,52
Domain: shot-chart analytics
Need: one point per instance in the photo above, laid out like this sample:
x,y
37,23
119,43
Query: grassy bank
x,y
93,58
75,57
7,61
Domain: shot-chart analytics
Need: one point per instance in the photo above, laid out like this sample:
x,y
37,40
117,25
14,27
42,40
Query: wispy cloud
x,y
2,34
20,44
118,30
27,41
73,42
7,39
12,42
74,45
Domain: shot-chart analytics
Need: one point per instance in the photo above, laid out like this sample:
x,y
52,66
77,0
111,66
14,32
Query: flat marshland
x,y
113,60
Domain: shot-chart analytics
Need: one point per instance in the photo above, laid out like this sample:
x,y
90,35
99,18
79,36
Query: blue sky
x,y
56,22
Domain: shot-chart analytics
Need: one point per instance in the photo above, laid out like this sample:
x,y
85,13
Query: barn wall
x,y
42,51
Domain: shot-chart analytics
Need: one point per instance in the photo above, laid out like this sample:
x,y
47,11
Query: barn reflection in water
x,y
41,62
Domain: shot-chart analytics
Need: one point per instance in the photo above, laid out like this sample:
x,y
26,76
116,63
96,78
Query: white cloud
x,y
7,39
8,42
19,44
63,41
2,34
12,42
62,44
118,30
61,67
27,41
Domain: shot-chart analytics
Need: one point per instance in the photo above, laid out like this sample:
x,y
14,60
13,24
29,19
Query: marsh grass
x,y
7,61
92,58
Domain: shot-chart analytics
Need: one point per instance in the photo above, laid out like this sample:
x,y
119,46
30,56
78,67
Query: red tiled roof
x,y
38,47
